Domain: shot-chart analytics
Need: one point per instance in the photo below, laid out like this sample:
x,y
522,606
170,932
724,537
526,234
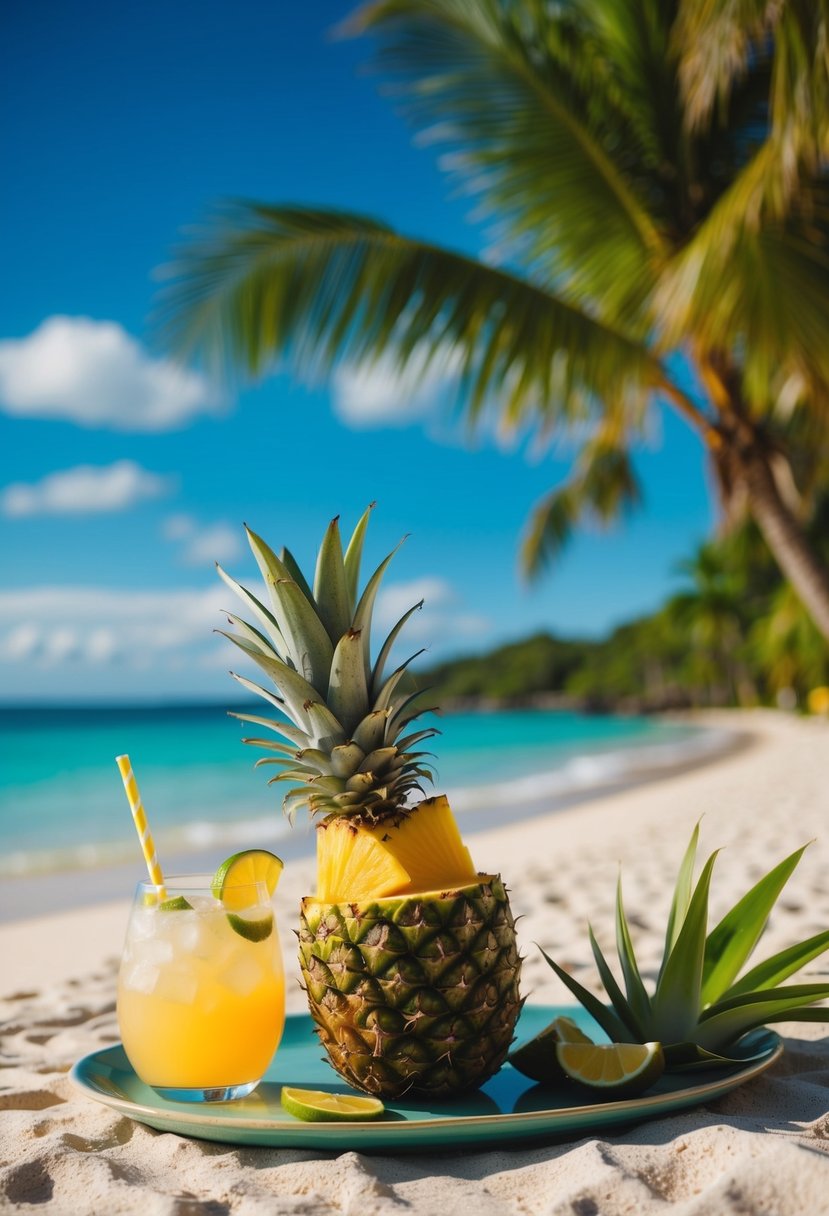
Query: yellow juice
x,y
199,1005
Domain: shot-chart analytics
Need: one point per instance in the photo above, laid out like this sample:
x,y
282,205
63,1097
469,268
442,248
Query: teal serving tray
x,y
509,1107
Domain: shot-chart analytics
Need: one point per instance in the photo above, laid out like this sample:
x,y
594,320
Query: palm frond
x,y
720,40
603,486
749,283
503,86
319,286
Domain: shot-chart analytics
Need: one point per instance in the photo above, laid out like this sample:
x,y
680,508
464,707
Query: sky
x,y
124,477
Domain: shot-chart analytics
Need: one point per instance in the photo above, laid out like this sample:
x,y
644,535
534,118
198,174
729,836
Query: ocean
x,y
62,806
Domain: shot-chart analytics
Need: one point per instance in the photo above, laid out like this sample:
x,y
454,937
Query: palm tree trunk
x,y
784,535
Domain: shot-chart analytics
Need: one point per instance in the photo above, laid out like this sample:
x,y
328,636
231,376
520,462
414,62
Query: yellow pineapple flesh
x,y
421,852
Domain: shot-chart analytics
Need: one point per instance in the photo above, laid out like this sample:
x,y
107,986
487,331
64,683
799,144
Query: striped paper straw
x,y
142,827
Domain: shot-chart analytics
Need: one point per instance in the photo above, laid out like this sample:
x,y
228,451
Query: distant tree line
x,y
734,634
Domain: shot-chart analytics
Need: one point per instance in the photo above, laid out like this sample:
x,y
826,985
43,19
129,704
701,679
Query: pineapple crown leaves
x,y
701,1004
342,716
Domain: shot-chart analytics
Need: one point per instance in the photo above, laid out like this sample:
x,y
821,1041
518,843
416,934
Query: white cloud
x,y
384,394
202,543
95,374
53,627
85,489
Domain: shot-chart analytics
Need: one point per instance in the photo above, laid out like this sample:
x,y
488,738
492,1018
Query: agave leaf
x,y
382,658
728,1019
292,566
353,557
769,973
734,938
258,609
365,608
690,1057
682,897
347,692
615,993
330,590
677,1000
305,635
638,999
612,1025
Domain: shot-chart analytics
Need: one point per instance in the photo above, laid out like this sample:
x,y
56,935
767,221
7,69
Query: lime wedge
x,y
177,904
234,883
254,928
537,1058
316,1106
621,1070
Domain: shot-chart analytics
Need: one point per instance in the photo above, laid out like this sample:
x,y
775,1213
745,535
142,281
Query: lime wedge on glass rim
x,y
237,879
317,1106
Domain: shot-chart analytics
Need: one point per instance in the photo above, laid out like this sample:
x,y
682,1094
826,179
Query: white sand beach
x,y
762,1149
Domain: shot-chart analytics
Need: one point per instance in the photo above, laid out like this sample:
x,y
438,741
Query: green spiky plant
x,y
701,1004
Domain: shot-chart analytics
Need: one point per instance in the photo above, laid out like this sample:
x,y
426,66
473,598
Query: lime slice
x,y
234,883
177,904
621,1070
316,1106
537,1058
254,928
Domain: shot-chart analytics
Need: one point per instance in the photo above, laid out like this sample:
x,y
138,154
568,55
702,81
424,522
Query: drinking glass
x,y
201,989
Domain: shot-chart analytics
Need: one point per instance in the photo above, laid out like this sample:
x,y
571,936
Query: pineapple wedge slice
x,y
420,852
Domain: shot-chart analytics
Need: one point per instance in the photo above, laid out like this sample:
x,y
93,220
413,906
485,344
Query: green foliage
x,y
656,174
734,634
518,670
699,1008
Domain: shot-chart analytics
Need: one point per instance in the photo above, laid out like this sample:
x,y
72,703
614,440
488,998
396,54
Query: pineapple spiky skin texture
x,y
414,994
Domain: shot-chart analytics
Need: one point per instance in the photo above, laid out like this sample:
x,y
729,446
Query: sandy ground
x,y
763,1149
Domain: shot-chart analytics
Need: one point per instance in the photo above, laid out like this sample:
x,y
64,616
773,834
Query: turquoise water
x,y
62,805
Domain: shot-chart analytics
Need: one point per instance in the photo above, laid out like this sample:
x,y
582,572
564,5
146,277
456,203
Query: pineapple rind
x,y
414,994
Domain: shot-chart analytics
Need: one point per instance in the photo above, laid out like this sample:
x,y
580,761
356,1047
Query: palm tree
x,y
712,614
657,173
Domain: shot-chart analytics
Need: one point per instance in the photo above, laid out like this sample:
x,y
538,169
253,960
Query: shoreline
x,y
490,764
43,893
762,1148
33,896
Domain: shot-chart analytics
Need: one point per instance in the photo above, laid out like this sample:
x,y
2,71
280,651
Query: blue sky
x,y
122,478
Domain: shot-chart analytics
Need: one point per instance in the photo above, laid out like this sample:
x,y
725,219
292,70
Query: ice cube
x,y
142,924
242,975
203,903
140,976
153,950
178,985
184,934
